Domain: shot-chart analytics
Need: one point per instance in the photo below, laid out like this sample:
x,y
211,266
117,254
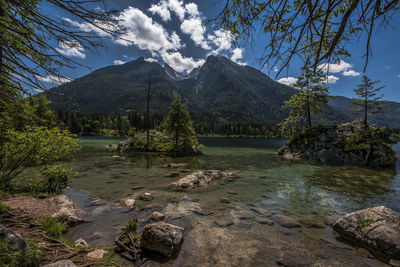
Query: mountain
x,y
220,90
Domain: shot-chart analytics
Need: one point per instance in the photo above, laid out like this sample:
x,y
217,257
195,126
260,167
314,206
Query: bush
x,y
53,227
34,147
30,258
56,178
3,207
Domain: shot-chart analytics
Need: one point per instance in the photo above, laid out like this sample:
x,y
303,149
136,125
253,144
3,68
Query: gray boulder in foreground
x,y
162,237
14,240
200,178
377,229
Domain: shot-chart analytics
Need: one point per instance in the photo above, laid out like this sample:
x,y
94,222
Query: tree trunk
x,y
148,116
366,110
176,139
308,112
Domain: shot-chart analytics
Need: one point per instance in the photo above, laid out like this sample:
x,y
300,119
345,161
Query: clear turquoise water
x,y
267,186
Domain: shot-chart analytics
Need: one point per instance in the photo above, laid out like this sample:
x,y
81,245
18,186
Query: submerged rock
x,y
347,143
377,229
291,259
163,238
200,178
330,220
14,240
224,221
286,221
310,223
262,220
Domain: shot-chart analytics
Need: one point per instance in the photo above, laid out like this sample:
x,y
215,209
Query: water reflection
x,y
352,181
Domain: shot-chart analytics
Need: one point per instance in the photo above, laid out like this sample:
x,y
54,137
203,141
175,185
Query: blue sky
x,y
180,33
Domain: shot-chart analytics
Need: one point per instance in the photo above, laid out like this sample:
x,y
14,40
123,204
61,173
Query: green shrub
x,y
364,224
3,207
53,227
131,226
56,178
30,258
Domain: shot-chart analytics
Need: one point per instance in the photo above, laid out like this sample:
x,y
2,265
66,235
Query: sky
x,y
183,34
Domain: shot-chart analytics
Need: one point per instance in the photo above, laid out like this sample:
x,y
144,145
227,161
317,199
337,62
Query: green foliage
x,y
131,226
179,125
53,227
110,259
307,136
320,29
312,95
368,100
56,178
34,147
3,207
364,224
30,258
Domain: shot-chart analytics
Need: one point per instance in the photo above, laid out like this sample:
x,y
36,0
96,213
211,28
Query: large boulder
x,y
377,229
14,240
163,238
348,143
200,178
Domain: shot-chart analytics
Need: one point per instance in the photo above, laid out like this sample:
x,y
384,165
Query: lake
x,y
267,186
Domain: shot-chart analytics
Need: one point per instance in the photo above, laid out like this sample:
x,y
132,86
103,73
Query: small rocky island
x,y
160,143
348,143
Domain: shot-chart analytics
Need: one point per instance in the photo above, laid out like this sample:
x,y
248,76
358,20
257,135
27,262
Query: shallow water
x,y
266,186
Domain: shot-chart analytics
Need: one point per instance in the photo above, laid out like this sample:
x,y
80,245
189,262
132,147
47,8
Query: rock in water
x,y
67,210
62,263
130,203
162,237
375,228
146,197
200,178
157,216
97,254
80,243
14,240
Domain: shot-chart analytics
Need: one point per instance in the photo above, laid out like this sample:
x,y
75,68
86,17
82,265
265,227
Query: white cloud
x,y
162,10
192,9
275,69
195,29
181,63
177,7
331,79
335,68
54,79
222,39
398,75
144,33
351,73
237,55
151,59
119,62
288,81
90,27
71,48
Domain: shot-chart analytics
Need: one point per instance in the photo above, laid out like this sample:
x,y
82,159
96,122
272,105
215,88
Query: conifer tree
x,y
312,95
178,123
368,100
